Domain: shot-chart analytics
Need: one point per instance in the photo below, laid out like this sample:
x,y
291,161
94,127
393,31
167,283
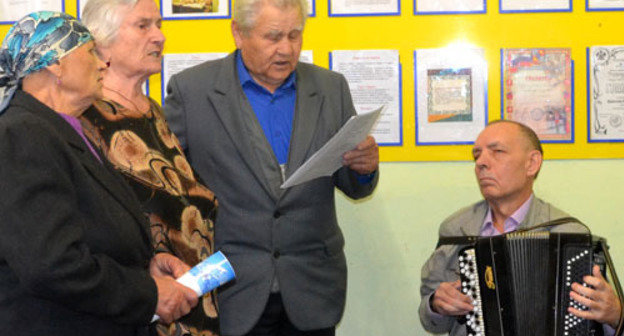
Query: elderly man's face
x,y
505,165
271,49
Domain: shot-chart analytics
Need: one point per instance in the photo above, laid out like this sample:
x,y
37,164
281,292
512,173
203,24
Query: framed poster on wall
x,y
13,10
374,78
449,7
195,9
605,94
520,6
364,7
537,90
451,95
604,5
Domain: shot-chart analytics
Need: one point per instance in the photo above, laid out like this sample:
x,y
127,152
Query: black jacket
x,y
74,245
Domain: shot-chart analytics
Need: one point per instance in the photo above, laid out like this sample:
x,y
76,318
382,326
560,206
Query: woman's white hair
x,y
104,17
246,12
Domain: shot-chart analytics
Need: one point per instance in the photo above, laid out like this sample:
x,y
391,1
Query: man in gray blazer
x,y
508,157
246,123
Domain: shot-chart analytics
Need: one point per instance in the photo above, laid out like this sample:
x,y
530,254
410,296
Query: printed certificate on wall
x,y
513,6
311,7
306,56
194,9
374,78
174,63
449,6
606,93
450,95
537,91
604,5
13,10
364,7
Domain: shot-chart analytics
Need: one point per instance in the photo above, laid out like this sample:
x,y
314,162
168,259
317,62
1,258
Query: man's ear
x,y
237,34
534,163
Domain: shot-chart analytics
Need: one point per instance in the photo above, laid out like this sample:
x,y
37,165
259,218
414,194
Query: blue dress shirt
x,y
274,111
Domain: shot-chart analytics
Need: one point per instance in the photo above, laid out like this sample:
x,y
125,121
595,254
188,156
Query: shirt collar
x,y
245,77
511,223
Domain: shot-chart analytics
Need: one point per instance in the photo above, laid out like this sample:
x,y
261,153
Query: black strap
x,y
457,240
469,240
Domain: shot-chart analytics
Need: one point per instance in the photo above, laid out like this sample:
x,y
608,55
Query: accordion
x,y
520,283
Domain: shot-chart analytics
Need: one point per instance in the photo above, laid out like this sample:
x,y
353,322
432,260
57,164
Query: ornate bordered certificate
x,y
606,93
13,10
537,91
512,6
374,78
450,95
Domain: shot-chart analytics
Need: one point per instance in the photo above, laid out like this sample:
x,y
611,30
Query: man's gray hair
x,y
246,12
104,18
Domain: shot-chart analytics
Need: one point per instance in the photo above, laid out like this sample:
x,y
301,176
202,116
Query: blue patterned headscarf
x,y
36,41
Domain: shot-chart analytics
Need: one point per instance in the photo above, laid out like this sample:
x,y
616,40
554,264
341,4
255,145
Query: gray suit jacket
x,y
442,265
265,231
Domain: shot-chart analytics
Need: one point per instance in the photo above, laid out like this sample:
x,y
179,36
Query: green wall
x,y
392,233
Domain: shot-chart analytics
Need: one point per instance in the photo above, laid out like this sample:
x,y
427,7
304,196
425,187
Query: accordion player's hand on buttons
x,y
599,297
449,300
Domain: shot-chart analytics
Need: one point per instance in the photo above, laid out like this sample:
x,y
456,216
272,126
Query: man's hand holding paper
x,y
350,146
364,159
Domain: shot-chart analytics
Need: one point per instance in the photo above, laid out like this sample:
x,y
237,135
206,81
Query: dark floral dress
x,y
180,208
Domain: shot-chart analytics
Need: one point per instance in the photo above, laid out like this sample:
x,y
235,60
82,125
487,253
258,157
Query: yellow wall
x,y
491,31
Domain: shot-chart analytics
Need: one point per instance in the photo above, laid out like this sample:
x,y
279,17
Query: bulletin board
x,y
408,31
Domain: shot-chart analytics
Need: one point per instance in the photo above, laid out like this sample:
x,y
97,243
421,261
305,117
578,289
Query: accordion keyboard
x,y
576,261
469,279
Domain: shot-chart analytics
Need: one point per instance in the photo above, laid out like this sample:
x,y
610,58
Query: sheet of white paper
x,y
359,7
508,5
328,159
374,80
424,6
13,10
306,56
310,7
605,4
174,63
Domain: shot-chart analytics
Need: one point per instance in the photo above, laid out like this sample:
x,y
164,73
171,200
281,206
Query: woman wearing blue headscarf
x,y
75,252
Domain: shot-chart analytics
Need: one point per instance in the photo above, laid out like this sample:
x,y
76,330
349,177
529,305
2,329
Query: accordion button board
x,y
469,278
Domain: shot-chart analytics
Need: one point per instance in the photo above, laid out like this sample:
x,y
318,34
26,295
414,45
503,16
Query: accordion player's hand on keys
x,y
448,300
599,297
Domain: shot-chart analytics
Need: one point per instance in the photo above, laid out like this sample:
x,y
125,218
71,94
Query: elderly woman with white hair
x,y
130,130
